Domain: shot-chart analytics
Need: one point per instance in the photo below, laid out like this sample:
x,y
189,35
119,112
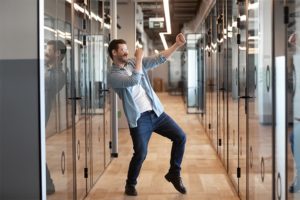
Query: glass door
x,y
214,79
201,73
82,92
107,94
96,49
58,99
96,138
259,99
233,109
208,77
221,80
81,114
241,40
226,55
78,128
192,63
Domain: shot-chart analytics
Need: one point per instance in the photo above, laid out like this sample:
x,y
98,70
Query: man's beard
x,y
123,59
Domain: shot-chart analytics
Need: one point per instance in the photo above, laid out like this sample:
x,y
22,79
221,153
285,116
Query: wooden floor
x,y
202,171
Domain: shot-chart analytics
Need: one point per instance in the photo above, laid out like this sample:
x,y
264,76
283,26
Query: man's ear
x,y
114,52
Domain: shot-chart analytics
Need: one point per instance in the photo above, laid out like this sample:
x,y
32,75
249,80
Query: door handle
x,y
268,78
75,98
104,90
246,97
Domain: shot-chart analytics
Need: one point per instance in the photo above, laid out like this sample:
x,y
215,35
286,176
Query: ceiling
x,y
181,12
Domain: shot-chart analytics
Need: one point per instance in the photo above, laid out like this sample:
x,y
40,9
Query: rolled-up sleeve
x,y
153,61
120,80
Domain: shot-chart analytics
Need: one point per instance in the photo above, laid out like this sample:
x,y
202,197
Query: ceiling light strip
x,y
168,23
167,16
163,40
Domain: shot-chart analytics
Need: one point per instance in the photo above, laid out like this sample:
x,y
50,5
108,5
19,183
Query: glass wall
x,y
259,98
221,81
233,104
210,76
201,69
214,77
106,93
239,94
193,74
58,119
76,35
175,74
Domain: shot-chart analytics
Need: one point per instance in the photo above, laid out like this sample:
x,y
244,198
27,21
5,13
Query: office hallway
x,y
202,171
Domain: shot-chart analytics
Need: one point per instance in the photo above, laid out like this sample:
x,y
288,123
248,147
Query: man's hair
x,y
114,45
58,46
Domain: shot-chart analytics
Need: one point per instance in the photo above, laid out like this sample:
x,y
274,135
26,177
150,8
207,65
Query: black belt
x,y
147,112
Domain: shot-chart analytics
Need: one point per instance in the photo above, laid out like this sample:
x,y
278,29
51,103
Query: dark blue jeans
x,y
163,125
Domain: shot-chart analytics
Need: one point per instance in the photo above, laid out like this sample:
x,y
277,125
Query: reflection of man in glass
x,y
54,82
295,134
294,139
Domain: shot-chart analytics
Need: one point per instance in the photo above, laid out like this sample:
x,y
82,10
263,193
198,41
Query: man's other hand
x,y
139,53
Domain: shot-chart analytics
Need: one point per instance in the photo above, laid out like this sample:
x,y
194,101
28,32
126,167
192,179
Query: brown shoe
x,y
177,183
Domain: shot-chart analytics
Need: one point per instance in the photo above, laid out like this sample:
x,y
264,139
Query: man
x,y
54,82
144,112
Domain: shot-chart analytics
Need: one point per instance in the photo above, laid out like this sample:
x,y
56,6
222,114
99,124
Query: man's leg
x,y
167,127
140,138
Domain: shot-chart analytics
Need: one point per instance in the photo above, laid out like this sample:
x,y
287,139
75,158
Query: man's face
x,y
121,55
50,55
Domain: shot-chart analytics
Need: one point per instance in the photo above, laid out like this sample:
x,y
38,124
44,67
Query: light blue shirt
x,y
123,84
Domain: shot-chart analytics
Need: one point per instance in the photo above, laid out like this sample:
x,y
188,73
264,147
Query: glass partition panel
x,y
201,69
214,79
58,59
226,56
259,99
82,90
193,73
108,94
221,69
241,24
208,75
233,137
96,49
97,139
175,82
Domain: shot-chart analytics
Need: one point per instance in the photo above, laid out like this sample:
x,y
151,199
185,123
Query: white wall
x,y
16,34
126,19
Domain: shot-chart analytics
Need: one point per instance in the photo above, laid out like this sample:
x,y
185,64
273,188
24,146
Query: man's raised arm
x,y
180,41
